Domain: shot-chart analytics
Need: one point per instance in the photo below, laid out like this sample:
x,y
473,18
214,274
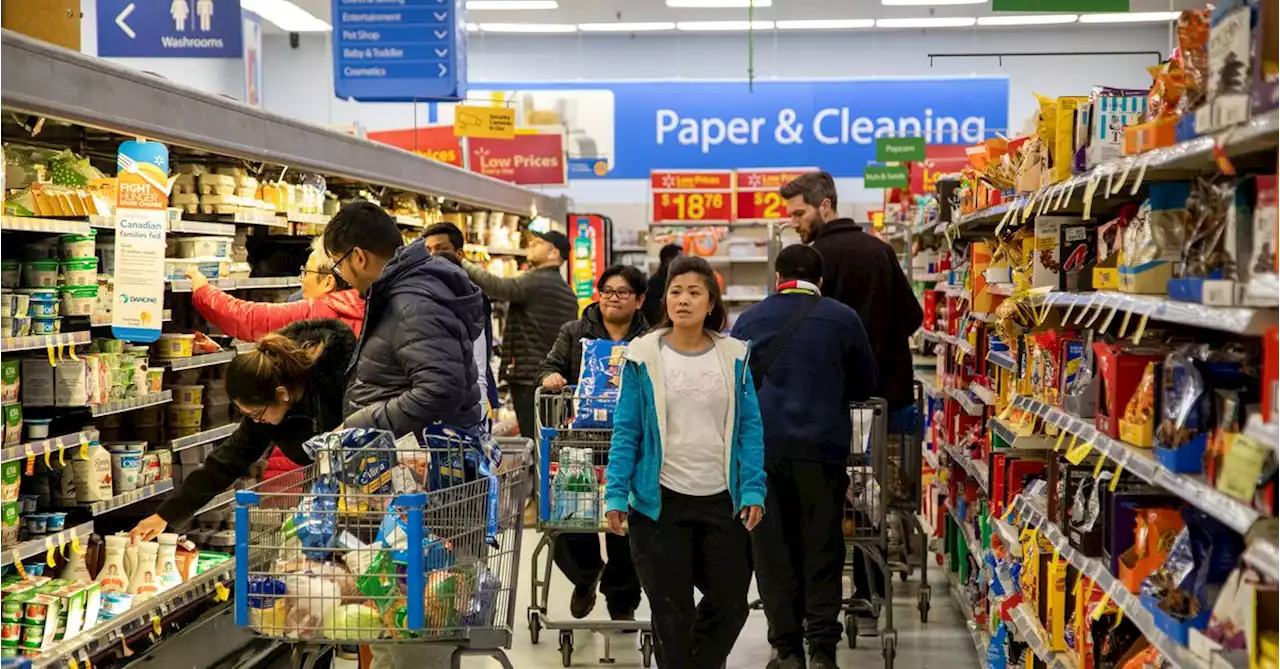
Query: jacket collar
x,y
648,349
798,286
595,323
838,226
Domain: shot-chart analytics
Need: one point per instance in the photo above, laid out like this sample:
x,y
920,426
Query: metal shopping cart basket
x,y
430,557
572,455
907,538
866,529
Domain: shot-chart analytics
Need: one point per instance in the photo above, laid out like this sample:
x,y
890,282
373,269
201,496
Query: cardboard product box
x,y
1069,135
1109,115
1119,371
1055,588
1046,264
1230,56
1155,134
1266,69
1078,248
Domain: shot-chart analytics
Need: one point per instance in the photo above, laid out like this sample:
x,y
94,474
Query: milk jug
x,y
144,583
167,561
113,577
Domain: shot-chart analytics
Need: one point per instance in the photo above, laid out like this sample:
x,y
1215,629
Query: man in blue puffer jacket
x,y
808,371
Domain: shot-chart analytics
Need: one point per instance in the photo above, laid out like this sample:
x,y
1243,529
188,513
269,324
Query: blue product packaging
x,y
317,517
458,457
393,535
596,395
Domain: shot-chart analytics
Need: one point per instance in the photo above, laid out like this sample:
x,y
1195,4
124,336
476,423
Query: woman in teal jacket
x,y
686,471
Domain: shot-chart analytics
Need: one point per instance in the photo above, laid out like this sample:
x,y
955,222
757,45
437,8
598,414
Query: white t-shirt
x,y
694,456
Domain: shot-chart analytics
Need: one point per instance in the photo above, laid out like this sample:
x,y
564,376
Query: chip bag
x,y
596,395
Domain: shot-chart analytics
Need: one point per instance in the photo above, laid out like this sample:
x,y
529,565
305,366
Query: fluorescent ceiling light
x,y
1130,17
937,22
929,3
825,24
625,27
286,16
725,26
528,28
1027,19
718,4
510,5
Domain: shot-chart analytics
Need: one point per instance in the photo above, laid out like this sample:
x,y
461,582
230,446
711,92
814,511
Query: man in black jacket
x,y
658,283
615,317
539,302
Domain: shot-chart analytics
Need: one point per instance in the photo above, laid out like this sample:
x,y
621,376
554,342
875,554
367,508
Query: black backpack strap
x,y
760,364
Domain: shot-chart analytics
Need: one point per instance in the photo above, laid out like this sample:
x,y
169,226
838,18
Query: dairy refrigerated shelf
x,y
196,361
201,438
43,544
132,497
35,342
52,226
49,446
120,406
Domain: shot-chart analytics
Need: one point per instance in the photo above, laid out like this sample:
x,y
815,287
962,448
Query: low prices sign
x,y
692,197
528,160
939,159
757,197
436,142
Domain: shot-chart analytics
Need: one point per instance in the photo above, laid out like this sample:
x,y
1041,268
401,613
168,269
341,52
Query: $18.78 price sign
x,y
757,192
692,197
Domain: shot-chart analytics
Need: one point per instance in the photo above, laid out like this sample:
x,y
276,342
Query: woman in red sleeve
x,y
324,295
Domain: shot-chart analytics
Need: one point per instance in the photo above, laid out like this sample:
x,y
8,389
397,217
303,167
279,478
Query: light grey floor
x,y
942,642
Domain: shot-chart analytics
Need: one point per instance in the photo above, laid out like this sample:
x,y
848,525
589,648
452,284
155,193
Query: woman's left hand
x,y
751,517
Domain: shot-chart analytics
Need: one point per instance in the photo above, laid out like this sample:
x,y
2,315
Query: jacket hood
x,y
595,322
348,304
414,271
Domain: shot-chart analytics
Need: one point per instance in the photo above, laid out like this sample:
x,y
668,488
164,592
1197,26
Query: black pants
x,y
522,398
578,556
697,542
799,554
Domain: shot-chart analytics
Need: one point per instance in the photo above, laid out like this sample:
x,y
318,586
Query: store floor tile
x,y
942,642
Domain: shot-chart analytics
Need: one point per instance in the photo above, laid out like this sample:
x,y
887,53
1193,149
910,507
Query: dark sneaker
x,y
625,616
582,601
822,659
781,660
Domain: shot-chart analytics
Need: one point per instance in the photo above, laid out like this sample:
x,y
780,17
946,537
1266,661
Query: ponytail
x,y
252,378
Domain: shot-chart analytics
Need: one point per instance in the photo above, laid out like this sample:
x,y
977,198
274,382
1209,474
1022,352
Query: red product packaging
x,y
930,310
1270,370
1119,373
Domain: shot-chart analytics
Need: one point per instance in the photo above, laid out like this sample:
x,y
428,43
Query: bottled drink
x,y
559,485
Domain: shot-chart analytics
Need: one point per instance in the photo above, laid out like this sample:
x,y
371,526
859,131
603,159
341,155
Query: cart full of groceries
x,y
385,540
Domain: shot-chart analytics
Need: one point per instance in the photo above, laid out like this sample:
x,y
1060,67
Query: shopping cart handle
x,y
410,500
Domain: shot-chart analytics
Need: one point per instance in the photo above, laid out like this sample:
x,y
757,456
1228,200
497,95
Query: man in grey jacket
x,y
539,302
413,365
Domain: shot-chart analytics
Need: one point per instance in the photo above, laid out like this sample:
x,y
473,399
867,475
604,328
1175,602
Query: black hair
x,y
449,230
814,186
718,319
634,277
362,225
799,261
668,253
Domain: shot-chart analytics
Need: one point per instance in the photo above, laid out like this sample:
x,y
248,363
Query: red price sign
x,y
757,196
692,197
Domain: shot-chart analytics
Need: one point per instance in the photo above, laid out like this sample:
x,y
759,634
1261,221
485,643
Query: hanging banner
x,y
757,197
528,160
899,149
892,176
436,142
142,195
398,51
704,196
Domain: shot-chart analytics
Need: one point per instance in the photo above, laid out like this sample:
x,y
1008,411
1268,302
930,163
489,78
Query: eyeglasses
x,y
258,415
609,293
337,264
304,270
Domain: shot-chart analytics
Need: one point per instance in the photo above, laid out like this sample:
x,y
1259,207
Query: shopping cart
x,y
866,528
572,454
319,563
907,540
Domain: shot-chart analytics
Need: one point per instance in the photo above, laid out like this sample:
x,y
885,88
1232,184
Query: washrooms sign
x,y
169,29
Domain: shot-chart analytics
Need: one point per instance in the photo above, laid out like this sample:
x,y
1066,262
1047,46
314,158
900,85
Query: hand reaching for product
x,y
198,280
148,529
554,382
614,520
751,517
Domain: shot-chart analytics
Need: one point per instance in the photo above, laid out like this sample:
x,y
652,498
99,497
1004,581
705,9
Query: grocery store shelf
x,y
268,282
295,216
104,320
710,224
51,445
987,395
201,438
220,500
1139,462
930,458
34,342
1238,320
1263,555
48,80
970,405
202,228
132,497
1177,654
1002,359
53,226
980,639
196,361
974,468
1007,434
966,531
140,617
119,406
495,250
43,544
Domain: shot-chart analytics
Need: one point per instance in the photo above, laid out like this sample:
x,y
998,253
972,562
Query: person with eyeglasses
x,y
324,295
289,388
617,316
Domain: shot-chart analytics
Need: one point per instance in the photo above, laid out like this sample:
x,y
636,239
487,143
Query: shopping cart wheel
x,y
923,604
535,625
566,648
646,650
851,629
889,649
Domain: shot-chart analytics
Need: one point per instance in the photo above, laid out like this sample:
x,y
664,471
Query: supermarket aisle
x,y
942,642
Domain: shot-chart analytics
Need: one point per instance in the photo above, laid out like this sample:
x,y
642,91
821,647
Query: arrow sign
x,y
441,34
441,16
441,53
444,71
124,26
385,56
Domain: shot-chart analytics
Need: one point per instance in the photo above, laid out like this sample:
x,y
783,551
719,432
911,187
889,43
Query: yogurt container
x,y
40,273
80,271
174,345
188,394
126,469
78,300
204,247
116,603
46,326
155,379
56,522
38,428
78,246
43,308
48,294
37,523
10,273
185,415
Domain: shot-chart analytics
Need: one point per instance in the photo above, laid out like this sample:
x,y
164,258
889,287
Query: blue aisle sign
x,y
169,29
622,130
399,50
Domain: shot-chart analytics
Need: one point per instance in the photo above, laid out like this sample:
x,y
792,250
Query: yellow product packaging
x,y
1055,590
1068,135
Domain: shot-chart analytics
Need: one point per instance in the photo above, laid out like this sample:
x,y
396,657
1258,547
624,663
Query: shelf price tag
x,y
1142,328
1097,467
155,624
53,360
17,565
1077,455
76,547
1142,175
756,193
50,552
84,446
221,593
1115,476
692,197
62,455
31,460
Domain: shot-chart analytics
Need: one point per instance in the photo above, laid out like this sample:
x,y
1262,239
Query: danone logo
x,y
135,299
